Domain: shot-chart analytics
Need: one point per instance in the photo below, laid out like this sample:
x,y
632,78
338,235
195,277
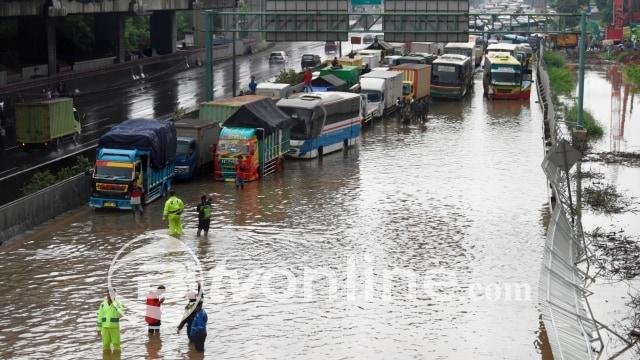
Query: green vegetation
x,y
594,130
182,23
179,114
561,78
631,74
136,32
289,76
43,179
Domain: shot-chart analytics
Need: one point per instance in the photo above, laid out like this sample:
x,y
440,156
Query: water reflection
x,y
457,206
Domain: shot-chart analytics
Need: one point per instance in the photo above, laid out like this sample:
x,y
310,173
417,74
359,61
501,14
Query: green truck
x,y
349,74
45,122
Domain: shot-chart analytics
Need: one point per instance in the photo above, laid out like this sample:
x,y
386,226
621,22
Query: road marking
x,y
2,172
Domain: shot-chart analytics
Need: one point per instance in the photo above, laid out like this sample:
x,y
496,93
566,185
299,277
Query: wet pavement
x,y
106,102
459,206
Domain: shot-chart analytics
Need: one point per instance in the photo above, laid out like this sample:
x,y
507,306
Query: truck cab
x,y
407,91
237,144
115,174
186,158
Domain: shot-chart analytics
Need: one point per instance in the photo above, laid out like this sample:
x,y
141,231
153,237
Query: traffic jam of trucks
x,y
248,137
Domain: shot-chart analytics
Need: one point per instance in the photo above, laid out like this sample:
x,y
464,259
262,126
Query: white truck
x,y
382,88
377,54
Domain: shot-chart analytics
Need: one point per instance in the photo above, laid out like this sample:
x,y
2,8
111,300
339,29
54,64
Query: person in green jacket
x,y
172,210
109,314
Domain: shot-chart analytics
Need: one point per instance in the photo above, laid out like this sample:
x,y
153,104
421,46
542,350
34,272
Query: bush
x,y
562,80
594,129
43,179
554,59
179,114
290,77
631,73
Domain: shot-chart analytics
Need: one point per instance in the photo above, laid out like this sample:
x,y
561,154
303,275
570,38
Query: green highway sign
x,y
366,2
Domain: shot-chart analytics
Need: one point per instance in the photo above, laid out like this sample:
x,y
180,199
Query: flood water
x,y
457,209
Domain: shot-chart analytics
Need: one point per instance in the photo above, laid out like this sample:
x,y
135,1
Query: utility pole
x,y
583,41
233,60
208,56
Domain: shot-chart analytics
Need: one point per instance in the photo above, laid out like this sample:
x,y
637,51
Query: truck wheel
x,y
58,144
76,138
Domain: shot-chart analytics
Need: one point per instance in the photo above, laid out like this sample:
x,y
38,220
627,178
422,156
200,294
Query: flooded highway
x,y
455,211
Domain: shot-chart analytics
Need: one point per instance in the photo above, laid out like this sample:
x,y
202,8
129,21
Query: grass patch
x,y
594,130
631,74
561,78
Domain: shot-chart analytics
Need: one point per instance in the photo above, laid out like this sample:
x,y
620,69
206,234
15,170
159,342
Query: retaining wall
x,y
27,212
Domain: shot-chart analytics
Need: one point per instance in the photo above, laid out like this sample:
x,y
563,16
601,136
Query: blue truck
x,y
196,142
135,152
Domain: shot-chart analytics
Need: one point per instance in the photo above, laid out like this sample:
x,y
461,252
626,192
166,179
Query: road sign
x,y
448,21
356,40
365,2
307,20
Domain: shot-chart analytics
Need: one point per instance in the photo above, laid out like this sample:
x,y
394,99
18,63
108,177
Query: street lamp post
x,y
583,40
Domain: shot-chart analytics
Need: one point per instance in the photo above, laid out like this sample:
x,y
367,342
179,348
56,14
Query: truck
x,y
136,152
46,122
377,56
275,91
256,137
195,139
426,47
349,74
417,81
383,87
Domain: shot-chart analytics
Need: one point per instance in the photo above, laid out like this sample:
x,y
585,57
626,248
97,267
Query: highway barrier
x,y
29,211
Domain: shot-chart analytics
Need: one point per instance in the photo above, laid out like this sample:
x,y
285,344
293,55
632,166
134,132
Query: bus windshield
x,y
301,129
504,75
120,172
446,74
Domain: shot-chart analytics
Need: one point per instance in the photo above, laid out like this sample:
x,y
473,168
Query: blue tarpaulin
x,y
156,136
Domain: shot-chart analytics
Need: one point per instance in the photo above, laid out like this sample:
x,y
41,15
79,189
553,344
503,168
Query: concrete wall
x,y
93,64
37,70
34,209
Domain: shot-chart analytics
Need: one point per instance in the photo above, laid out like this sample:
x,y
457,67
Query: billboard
x,y
451,26
320,20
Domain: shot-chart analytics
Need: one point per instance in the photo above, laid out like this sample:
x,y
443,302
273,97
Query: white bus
x,y
323,122
467,49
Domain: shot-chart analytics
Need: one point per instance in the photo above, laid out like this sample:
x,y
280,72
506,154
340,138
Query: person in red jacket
x,y
155,298
306,79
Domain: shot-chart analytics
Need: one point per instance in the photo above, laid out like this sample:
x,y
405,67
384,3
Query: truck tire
x,y
76,138
58,144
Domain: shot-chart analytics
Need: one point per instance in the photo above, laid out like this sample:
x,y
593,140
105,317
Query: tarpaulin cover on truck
x,y
261,114
156,136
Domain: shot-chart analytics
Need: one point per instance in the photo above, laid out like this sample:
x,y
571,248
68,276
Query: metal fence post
x,y
208,49
583,40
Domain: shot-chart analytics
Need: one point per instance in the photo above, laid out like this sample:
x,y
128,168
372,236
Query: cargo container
x,y
347,61
46,122
417,81
384,87
350,74
275,91
218,111
196,139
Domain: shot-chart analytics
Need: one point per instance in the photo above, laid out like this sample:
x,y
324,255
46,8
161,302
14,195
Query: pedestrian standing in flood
x,y
153,316
136,199
198,331
173,208
204,215
108,326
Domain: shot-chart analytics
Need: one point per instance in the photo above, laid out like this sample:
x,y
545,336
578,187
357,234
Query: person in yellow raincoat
x,y
108,326
172,210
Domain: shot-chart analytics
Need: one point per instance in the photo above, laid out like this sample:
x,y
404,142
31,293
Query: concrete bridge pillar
x,y
163,31
109,35
52,54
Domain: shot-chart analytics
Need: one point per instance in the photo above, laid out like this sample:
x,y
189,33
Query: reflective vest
x,y
109,314
173,206
153,313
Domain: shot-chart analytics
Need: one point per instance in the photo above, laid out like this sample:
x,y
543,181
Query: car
x,y
310,60
330,46
278,57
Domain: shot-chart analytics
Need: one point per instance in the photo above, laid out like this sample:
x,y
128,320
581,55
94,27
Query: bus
x,y
504,78
323,122
466,49
451,76
515,50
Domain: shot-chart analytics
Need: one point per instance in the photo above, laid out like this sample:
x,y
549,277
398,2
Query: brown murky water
x,y
456,210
